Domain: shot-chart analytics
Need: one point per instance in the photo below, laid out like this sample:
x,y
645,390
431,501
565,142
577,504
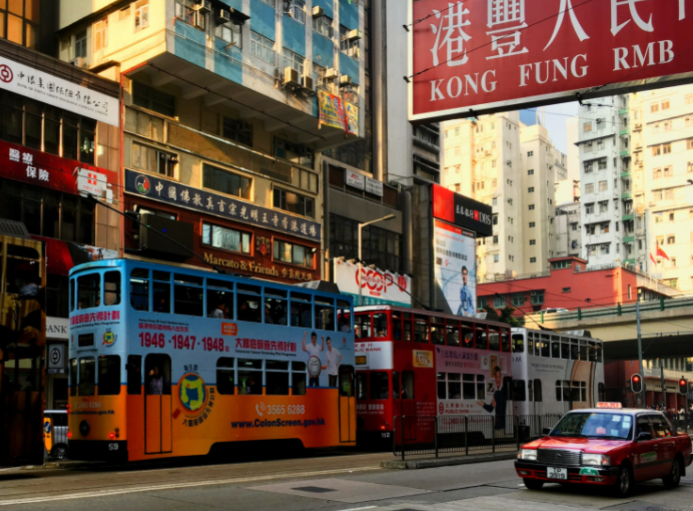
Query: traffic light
x,y
683,386
636,383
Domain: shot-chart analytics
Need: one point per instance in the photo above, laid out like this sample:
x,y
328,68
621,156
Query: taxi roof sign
x,y
609,405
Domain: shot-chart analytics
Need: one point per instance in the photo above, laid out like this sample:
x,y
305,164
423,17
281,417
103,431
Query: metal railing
x,y
428,434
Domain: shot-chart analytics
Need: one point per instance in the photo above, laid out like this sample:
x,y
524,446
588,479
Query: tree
x,y
504,315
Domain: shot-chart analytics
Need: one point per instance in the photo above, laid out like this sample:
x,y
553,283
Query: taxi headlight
x,y
527,454
598,460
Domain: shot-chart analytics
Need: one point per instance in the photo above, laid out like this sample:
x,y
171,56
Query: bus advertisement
x,y
168,361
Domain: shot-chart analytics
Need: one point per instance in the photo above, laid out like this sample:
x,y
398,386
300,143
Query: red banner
x,y
477,56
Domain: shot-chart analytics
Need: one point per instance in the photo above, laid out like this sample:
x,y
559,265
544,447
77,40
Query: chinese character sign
x,y
455,269
475,56
331,110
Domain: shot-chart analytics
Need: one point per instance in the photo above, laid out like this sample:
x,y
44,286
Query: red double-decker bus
x,y
420,363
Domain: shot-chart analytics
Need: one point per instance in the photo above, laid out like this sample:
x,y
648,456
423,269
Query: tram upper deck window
x,y
437,331
162,291
250,377
187,295
518,343
89,291
565,348
139,289
324,313
493,339
544,346
344,309
583,349
597,350
406,326
467,337
276,306
219,299
555,346
111,288
396,326
380,325
481,338
226,376
109,375
421,329
574,349
362,326
452,331
301,313
87,376
530,343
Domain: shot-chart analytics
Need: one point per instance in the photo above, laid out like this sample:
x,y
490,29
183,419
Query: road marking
x,y
175,486
358,508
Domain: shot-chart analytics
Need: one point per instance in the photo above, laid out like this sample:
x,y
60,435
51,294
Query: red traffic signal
x,y
636,383
683,386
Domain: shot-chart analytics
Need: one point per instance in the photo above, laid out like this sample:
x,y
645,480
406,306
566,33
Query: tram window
x,y
380,325
219,304
250,376
363,326
545,346
583,350
187,300
530,391
380,388
519,390
162,297
407,384
395,385
277,378
566,391
583,391
442,386
301,313
537,391
518,343
480,387
180,278
361,386
275,307
396,327
406,328
601,393
437,334
298,384
85,340
505,340
555,347
72,295
565,348
73,376
481,339
530,343
493,340
157,371
452,335
345,316
598,351
559,390
163,276
421,329
454,386
226,376
575,392
468,386
574,349
324,313
111,288
467,338
346,381
87,376
89,291
139,289
109,375
134,369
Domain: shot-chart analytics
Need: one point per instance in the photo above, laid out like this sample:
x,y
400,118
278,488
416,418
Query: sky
x,y
556,117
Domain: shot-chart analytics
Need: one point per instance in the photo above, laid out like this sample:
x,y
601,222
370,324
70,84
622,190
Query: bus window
x,y
555,346
379,386
361,386
277,378
226,376
250,376
87,376
134,369
481,339
467,337
395,385
421,329
324,313
73,376
396,326
574,349
407,384
248,303
454,386
453,334
519,390
139,289
301,314
468,386
346,381
187,300
380,325
505,340
583,349
157,371
442,386
344,316
493,339
480,387
109,375
72,295
89,291
276,307
111,288
363,326
298,378
537,391
518,343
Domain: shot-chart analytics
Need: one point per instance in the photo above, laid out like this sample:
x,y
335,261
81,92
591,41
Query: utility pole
x,y
664,389
642,369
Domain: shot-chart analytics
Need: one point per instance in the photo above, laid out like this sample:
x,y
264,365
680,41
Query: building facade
x,y
567,233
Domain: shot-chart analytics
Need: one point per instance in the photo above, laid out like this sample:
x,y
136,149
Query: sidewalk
x,y
415,462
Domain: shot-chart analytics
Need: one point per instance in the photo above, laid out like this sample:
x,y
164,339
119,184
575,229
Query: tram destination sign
x,y
473,57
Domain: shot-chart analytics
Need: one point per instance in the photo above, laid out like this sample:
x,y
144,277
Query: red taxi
x,y
607,447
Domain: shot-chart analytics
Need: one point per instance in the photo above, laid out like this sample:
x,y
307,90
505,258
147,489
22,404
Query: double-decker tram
x,y
417,363
168,361
555,372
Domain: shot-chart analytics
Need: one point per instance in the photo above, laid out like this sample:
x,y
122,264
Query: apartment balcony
x,y
623,111
624,132
629,261
628,218
626,196
637,127
625,153
626,174
628,239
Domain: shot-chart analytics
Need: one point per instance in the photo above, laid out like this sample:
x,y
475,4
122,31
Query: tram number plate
x,y
385,434
557,473
113,447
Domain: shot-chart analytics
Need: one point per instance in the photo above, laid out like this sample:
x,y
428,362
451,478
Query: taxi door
x,y
644,451
665,444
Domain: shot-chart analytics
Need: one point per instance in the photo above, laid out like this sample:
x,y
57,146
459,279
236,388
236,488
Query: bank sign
x,y
462,211
479,56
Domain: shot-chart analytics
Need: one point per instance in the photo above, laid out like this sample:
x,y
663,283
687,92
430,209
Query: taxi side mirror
x,y
644,436
546,431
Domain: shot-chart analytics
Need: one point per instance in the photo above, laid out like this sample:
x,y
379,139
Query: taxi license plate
x,y
557,473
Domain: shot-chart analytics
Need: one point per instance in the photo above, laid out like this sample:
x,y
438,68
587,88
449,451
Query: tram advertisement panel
x,y
455,268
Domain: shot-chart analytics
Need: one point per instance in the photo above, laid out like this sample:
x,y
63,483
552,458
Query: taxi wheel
x,y
624,482
674,477
533,484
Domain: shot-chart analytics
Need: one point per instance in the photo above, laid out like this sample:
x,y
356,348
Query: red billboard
x,y
479,56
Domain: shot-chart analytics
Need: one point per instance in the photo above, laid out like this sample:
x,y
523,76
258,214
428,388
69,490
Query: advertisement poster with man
x,y
455,268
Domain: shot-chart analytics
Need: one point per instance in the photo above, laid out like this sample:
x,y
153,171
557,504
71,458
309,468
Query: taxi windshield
x,y
607,426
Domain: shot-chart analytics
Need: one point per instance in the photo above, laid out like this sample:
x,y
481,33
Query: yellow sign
x,y
48,433
423,358
361,360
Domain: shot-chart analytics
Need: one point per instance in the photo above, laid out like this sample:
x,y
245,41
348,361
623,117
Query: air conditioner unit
x,y
79,62
331,73
291,77
599,121
318,11
203,6
345,80
355,53
307,82
352,35
223,16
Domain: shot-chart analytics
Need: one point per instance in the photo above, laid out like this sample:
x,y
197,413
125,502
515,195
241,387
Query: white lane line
x,y
359,508
175,486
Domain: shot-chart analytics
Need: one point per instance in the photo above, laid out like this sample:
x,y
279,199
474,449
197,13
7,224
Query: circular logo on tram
x,y
314,366
142,184
109,338
192,394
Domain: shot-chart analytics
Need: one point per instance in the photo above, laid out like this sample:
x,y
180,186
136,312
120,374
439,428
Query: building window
x,y
304,180
530,189
296,9
47,212
153,160
261,47
496,258
589,188
230,33
323,25
380,247
238,131
530,154
19,23
141,15
286,252
295,153
603,186
530,172
81,45
294,61
531,207
537,297
294,203
226,182
665,105
656,173
671,239
152,99
350,47
532,242
532,259
604,206
100,30
532,225
225,238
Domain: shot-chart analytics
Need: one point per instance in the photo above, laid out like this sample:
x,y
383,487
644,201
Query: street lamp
x,y
360,248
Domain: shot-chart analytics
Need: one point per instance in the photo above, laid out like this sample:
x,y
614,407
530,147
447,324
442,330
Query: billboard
x,y
468,58
378,287
455,268
463,211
